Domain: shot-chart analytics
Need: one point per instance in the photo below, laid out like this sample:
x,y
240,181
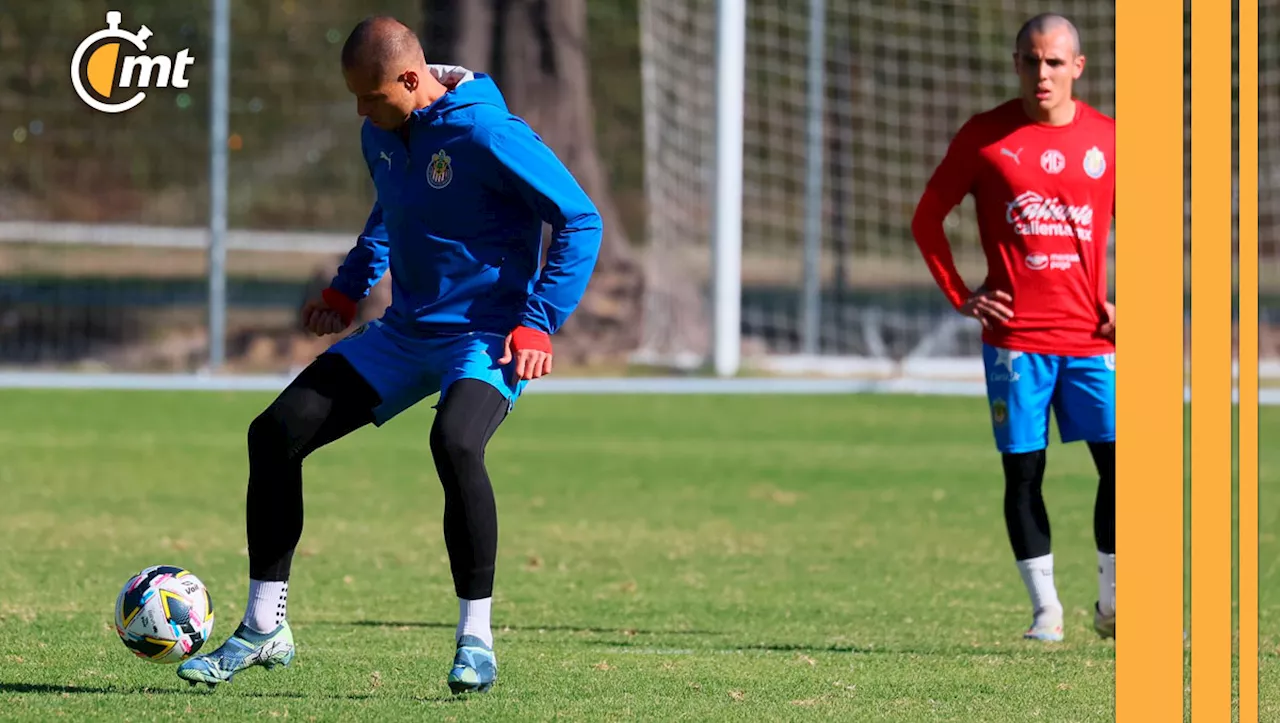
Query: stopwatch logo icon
x,y
103,66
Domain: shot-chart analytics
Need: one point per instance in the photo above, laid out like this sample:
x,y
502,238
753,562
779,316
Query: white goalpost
x,y
786,145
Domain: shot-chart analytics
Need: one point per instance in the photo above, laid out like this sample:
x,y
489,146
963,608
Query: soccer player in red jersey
x,y
1041,170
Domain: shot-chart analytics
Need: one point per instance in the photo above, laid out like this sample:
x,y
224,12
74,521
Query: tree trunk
x,y
536,50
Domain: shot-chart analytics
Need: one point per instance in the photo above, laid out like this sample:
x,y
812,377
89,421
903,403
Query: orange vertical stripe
x,y
1248,361
1211,409
1149,395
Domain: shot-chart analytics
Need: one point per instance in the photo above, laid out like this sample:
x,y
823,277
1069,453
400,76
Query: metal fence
x,y
104,218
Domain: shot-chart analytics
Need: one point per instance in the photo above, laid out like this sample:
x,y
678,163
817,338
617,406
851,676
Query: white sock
x,y
1037,575
266,606
1107,583
473,619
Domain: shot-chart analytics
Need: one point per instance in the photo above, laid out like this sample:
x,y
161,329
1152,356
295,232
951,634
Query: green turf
x,y
661,558
1268,546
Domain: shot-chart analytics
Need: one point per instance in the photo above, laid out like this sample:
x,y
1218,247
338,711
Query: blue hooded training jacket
x,y
458,220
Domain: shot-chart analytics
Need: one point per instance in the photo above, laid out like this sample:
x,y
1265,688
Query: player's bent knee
x,y
467,417
268,437
451,439
282,429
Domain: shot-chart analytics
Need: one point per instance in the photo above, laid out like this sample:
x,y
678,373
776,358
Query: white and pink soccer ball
x,y
164,614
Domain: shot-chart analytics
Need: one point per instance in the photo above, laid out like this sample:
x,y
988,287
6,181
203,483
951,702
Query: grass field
x,y
662,558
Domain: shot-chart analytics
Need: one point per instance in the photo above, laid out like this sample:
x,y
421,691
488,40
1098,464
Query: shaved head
x,y
381,46
1048,61
1046,24
386,71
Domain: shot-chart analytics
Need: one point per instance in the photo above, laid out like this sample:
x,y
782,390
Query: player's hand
x,y
1108,326
988,307
320,317
531,350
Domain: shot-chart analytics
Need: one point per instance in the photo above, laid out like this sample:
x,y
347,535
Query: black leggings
x,y
1024,510
329,400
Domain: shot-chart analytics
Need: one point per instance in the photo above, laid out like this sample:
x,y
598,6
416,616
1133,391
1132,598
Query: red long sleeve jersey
x,y
1044,197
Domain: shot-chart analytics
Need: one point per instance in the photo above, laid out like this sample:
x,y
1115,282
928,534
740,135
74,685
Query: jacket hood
x,y
466,89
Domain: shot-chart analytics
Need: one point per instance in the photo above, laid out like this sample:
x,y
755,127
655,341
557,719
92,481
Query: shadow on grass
x,y
637,647
957,650
443,698
516,628
183,689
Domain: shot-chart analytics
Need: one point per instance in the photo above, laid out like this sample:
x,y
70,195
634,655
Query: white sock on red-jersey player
x,y
1107,583
1037,575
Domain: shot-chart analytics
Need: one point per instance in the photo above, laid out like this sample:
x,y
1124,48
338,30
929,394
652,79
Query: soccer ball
x,y
164,614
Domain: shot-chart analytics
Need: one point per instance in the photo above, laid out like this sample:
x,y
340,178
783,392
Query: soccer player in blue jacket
x,y
463,189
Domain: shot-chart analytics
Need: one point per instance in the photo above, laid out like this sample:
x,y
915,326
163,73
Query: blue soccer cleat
x,y
244,649
474,667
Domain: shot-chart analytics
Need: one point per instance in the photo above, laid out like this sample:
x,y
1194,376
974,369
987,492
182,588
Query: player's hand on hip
x,y
1108,326
989,307
319,319
531,351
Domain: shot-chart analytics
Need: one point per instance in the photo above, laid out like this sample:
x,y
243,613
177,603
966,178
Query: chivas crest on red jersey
x,y
1095,163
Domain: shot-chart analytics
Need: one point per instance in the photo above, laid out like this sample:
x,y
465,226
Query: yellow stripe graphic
x,y
1211,323
1248,360
1149,364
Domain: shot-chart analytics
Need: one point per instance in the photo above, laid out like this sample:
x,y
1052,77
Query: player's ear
x,y
1079,69
410,80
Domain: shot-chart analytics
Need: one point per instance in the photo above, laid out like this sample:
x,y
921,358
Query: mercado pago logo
x,y
111,62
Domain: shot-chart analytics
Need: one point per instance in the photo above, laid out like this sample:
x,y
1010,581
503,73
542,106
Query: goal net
x,y
1269,186
897,80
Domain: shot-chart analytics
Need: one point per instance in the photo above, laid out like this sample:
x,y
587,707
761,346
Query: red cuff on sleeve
x,y
340,303
523,337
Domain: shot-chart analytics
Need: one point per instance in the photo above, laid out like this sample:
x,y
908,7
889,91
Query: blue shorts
x,y
405,370
1021,387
